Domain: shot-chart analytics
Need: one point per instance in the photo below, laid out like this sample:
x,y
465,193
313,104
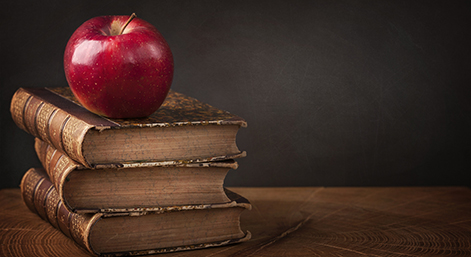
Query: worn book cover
x,y
133,185
150,231
182,129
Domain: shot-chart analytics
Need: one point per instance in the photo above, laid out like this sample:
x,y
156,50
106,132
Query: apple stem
x,y
127,22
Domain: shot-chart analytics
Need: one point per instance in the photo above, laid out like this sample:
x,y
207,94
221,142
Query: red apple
x,y
119,66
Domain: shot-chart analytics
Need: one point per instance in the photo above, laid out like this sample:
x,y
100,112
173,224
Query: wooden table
x,y
412,221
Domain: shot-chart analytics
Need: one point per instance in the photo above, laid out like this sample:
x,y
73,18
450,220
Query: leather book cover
x,y
55,116
41,197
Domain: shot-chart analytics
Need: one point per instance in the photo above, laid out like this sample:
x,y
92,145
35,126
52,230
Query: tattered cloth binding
x,y
183,129
150,231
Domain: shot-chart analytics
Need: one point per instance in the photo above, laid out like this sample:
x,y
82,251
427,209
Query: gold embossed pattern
x,y
30,111
72,138
17,108
27,188
47,161
52,201
44,200
62,165
43,121
78,228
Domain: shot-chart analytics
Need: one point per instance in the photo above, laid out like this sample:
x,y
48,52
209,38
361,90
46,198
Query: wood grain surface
x,y
403,221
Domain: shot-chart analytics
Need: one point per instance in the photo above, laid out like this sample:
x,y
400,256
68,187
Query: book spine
x,y
41,198
49,123
57,165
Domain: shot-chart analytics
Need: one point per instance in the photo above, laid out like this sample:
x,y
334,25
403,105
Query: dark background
x,y
336,93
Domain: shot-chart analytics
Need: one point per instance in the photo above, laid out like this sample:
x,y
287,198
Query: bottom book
x,y
145,231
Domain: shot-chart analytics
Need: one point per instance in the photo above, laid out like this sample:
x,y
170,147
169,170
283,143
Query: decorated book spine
x,y
41,198
51,124
57,166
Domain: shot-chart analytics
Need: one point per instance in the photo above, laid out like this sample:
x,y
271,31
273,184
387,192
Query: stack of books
x,y
132,186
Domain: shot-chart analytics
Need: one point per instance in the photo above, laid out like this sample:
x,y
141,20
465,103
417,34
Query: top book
x,y
183,130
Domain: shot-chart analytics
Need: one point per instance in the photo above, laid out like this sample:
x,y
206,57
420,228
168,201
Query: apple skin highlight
x,y
116,75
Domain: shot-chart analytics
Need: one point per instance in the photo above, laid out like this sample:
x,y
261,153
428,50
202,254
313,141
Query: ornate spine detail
x,y
73,134
42,122
41,198
51,124
18,103
31,109
52,201
28,188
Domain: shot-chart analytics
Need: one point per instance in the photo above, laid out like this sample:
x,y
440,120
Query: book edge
x,y
247,236
67,166
235,200
223,161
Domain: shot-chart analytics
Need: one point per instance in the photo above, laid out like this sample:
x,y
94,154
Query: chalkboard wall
x,y
336,93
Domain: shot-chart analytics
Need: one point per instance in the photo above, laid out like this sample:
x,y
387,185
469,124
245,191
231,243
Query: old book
x,y
160,230
183,129
133,185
